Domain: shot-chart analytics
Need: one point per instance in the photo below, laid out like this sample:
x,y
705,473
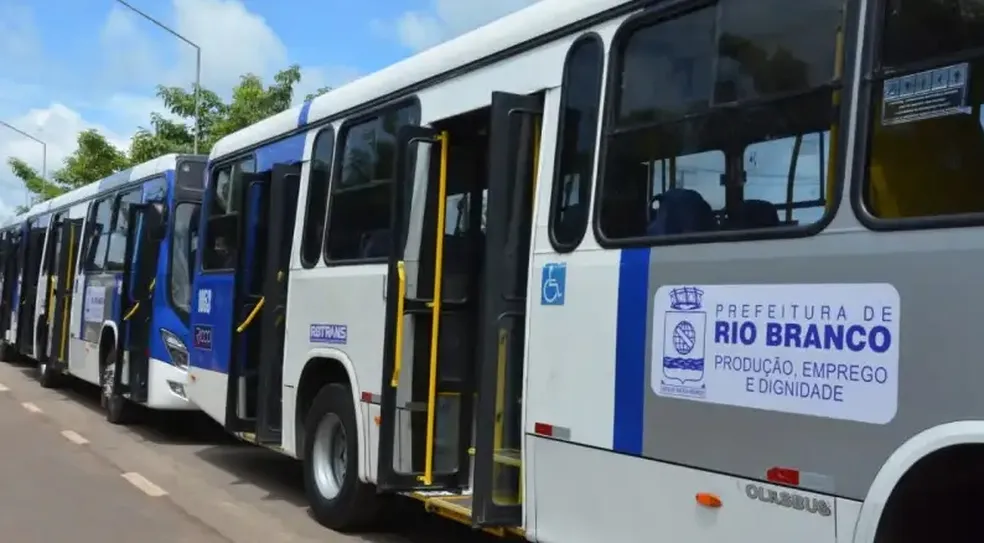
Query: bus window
x,y
222,247
98,231
720,103
927,163
577,133
191,174
117,239
317,198
359,215
184,244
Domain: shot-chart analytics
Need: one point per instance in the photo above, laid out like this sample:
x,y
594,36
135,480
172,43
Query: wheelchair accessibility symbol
x,y
553,283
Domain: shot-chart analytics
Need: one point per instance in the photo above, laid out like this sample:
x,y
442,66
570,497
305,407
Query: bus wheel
x,y
338,499
116,406
47,377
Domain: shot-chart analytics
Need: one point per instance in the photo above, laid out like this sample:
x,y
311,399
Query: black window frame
x,y
413,104
185,316
674,9
208,200
319,249
871,74
87,267
557,187
117,204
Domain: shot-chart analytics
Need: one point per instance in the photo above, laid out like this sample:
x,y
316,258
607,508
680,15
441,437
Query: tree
x,y
96,158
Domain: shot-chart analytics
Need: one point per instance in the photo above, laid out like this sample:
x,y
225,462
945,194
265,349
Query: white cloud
x,y
58,127
445,19
233,41
130,55
136,56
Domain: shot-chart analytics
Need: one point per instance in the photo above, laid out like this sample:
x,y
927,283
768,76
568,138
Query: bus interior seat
x,y
681,211
928,167
752,214
376,243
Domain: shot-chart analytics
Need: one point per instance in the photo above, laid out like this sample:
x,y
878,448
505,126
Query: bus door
x,y
7,260
69,240
514,141
32,245
256,365
427,398
144,232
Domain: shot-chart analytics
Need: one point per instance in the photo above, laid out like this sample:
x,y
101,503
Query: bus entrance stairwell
x,y
428,385
144,232
269,200
68,240
30,268
282,207
9,262
514,137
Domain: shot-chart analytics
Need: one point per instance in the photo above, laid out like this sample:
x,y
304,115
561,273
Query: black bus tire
x,y
355,505
117,408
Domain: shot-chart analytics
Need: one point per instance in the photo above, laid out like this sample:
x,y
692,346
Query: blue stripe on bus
x,y
630,350
302,118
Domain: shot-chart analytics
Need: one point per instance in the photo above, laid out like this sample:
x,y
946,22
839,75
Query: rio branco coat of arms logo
x,y
684,327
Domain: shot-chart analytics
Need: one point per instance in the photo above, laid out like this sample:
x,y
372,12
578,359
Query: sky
x,y
71,65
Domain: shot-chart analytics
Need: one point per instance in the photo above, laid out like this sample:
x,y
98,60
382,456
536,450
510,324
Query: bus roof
x,y
150,168
539,19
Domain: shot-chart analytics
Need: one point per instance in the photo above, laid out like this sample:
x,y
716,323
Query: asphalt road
x,y
53,488
67,474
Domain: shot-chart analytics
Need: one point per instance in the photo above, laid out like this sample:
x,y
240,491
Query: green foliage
x,y
174,132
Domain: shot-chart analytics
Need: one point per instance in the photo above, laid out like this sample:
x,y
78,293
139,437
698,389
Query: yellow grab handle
x,y
442,189
132,311
252,315
401,293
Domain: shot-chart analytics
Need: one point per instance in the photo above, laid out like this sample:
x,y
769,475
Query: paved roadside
x,y
242,492
53,488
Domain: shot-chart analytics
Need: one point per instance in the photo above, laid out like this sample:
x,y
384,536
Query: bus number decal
x,y
205,301
825,350
202,337
336,334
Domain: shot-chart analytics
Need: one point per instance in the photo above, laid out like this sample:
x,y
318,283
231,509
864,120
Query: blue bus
x,y
96,284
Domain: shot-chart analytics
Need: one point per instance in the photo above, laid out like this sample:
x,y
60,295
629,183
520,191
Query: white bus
x,y
612,270
80,276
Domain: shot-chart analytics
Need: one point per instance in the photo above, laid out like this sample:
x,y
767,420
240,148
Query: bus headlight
x,y
176,349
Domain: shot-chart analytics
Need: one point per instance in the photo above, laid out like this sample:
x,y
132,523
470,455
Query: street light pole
x,y
44,156
198,63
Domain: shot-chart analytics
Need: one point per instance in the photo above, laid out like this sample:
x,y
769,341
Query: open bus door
x,y
35,236
7,258
514,140
21,295
144,232
427,391
255,391
69,239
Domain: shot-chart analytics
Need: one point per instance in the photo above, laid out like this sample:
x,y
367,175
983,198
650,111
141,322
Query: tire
x,y
118,409
47,377
350,505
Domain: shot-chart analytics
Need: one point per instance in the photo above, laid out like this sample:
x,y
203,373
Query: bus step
x,y
250,437
506,457
458,507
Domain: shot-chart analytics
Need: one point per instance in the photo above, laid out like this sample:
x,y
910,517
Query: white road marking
x,y
3,388
144,484
74,437
31,407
